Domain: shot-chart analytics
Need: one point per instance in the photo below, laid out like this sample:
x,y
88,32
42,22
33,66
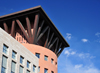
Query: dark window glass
x,y
28,64
34,67
21,59
38,55
52,61
45,70
13,54
46,58
4,64
5,48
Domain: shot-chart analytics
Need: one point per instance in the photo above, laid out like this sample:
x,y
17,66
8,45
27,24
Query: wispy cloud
x,y
70,52
84,40
68,36
70,68
97,34
78,66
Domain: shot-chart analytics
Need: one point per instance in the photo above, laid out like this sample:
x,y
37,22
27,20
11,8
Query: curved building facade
x,y
34,30
47,58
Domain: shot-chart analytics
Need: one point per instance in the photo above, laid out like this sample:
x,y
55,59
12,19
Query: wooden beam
x,y
53,43
60,52
22,29
56,45
42,33
36,21
29,27
50,40
46,42
5,27
58,48
13,29
39,30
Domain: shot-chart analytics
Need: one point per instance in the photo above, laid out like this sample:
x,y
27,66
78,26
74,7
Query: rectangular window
x,y
5,48
52,61
20,69
46,58
38,69
21,59
13,65
28,64
52,72
45,70
34,67
4,64
13,54
38,55
28,71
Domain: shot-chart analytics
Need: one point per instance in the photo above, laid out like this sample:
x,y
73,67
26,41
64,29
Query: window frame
x,y
14,54
21,59
5,49
34,68
45,57
28,64
37,55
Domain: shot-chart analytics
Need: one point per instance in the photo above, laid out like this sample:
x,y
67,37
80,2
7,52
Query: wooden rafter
x,y
46,42
56,45
28,27
60,52
42,33
39,30
5,27
13,28
53,43
36,21
50,40
22,29
58,48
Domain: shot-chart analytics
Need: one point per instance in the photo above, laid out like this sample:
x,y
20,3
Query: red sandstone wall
x,y
42,63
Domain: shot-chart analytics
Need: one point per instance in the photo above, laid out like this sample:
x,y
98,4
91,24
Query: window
x,y
46,58
13,54
38,69
52,61
52,72
5,48
45,70
38,55
13,65
20,69
28,64
21,59
4,64
28,71
34,67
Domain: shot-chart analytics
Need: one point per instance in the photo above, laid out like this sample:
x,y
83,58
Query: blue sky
x,y
79,23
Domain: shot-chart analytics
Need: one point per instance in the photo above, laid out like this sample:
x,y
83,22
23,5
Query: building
x,y
35,31
14,57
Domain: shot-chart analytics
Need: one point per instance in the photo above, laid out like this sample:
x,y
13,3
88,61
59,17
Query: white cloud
x,y
69,52
78,66
84,55
84,40
70,68
97,34
92,57
72,53
68,36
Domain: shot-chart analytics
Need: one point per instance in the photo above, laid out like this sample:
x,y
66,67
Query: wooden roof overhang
x,y
39,14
